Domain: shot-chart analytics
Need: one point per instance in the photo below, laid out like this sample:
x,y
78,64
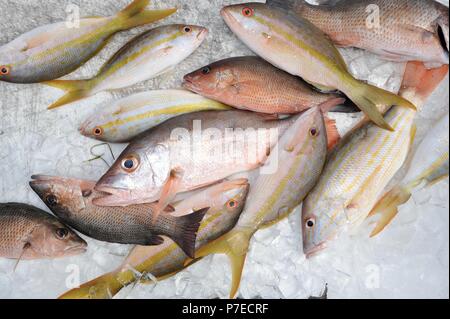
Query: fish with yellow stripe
x,y
147,56
291,172
52,51
126,118
226,201
296,46
428,166
360,168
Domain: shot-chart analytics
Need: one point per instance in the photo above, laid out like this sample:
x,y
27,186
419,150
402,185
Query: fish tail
x,y
103,287
388,205
135,14
75,90
235,245
186,228
422,81
373,101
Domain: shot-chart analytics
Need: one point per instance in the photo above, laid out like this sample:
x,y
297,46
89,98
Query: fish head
x,y
246,20
310,134
228,197
52,239
137,176
217,80
322,221
185,37
233,195
63,196
265,29
96,127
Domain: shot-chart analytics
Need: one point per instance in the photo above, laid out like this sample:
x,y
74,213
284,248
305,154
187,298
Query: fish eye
x,y
4,70
51,200
206,70
247,12
130,164
313,132
61,233
310,223
232,204
98,131
187,29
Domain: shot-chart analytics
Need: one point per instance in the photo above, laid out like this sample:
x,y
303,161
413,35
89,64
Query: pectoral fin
x,y
387,208
168,193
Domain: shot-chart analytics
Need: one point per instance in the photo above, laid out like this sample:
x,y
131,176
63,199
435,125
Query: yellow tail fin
x,y
373,101
235,246
76,90
103,287
135,14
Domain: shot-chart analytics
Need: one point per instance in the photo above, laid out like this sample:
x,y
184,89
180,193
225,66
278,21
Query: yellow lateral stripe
x,y
97,34
353,182
297,42
185,108
374,152
273,199
383,160
121,63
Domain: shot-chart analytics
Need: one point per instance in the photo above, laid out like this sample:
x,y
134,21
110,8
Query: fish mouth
x,y
314,251
76,249
41,183
226,14
83,128
189,84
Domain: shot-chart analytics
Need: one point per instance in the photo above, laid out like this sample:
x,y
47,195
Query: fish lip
x,y
227,16
225,13
315,250
76,249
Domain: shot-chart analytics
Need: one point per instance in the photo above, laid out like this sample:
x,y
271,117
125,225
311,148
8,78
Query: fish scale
x,y
126,118
297,46
71,200
52,51
408,29
167,259
360,168
429,164
146,56
27,232
250,83
297,164
203,160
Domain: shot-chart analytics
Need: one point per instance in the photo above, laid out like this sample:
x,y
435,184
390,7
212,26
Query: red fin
x,y
332,133
422,80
